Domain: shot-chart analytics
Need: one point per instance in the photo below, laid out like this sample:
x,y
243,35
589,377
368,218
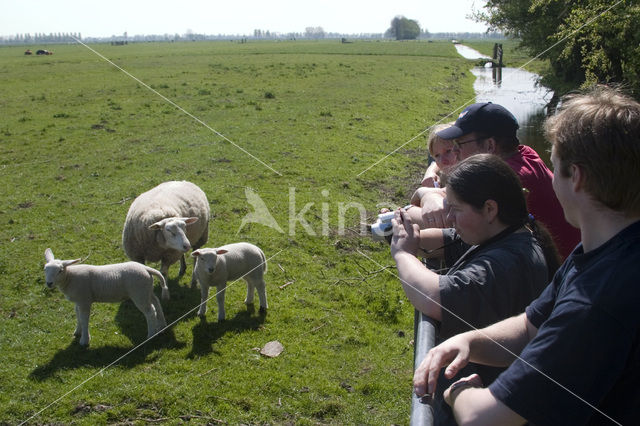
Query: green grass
x,y
79,140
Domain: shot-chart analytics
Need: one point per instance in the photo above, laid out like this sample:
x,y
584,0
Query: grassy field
x,y
307,128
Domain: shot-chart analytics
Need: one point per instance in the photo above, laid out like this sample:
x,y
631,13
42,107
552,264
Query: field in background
x,y
79,140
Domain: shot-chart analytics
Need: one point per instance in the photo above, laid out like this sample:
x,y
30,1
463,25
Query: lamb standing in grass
x,y
165,222
216,266
86,284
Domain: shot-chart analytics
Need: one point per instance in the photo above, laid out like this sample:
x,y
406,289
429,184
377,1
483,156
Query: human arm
x,y
415,214
474,405
431,179
431,243
431,240
420,285
477,346
433,212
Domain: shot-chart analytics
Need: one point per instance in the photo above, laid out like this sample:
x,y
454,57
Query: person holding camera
x,y
511,259
490,128
573,356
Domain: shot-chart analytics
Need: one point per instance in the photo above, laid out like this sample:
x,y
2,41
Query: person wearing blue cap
x,y
490,128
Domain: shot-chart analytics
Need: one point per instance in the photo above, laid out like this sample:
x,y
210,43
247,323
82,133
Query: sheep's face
x,y
53,270
207,259
173,231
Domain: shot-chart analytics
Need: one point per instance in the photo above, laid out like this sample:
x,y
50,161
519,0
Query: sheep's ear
x,y
48,255
156,226
195,253
190,220
221,251
66,263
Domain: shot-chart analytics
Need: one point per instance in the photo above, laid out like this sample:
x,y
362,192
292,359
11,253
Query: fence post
x,y
424,337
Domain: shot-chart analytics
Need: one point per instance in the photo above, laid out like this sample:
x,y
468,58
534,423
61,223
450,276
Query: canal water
x,y
518,91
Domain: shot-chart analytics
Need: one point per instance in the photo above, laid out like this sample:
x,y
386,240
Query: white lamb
x,y
216,266
165,222
86,284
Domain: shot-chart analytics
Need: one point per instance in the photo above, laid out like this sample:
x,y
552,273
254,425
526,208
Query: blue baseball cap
x,y
486,117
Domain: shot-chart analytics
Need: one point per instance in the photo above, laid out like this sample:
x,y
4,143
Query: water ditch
x,y
517,90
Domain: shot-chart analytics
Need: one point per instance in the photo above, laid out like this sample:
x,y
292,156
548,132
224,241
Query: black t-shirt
x,y
495,282
490,283
583,366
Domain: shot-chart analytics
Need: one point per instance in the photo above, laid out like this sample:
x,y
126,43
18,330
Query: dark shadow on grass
x,y
205,334
76,356
132,322
133,325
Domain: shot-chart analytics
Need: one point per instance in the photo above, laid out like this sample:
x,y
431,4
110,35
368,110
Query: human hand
x,y
453,353
431,179
406,235
434,214
472,381
416,197
430,182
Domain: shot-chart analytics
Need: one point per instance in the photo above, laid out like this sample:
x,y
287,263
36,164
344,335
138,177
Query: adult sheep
x,y
165,222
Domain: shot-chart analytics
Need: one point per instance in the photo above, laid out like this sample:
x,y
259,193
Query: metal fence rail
x,y
424,337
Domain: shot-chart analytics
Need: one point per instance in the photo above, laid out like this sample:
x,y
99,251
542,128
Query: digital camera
x,y
382,228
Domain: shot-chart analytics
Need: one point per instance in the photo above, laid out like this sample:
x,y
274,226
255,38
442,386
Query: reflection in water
x,y
497,76
518,91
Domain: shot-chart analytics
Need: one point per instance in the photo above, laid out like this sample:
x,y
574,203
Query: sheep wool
x,y
86,284
217,266
165,222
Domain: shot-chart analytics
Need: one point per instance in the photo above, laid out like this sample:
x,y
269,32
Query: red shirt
x,y
541,200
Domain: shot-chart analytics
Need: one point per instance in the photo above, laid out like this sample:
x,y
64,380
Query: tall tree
x,y
403,29
586,41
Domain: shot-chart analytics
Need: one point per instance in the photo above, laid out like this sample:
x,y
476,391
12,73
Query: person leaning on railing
x,y
510,261
491,129
578,344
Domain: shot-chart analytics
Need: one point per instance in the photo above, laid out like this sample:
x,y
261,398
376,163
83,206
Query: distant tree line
x,y
586,42
258,34
42,38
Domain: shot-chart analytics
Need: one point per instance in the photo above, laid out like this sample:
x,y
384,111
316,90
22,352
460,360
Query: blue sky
x,y
114,17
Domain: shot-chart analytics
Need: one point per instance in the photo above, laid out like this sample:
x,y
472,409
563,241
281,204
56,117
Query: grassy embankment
x,y
79,140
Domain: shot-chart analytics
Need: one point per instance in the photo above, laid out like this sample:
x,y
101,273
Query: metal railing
x,y
424,337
